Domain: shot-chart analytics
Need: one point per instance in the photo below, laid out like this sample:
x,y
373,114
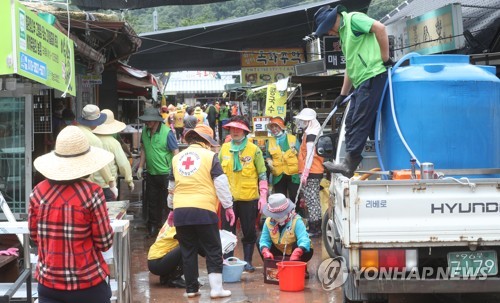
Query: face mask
x,y
279,134
281,220
240,140
302,124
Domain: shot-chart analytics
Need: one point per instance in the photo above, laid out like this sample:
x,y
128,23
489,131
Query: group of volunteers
x,y
182,118
189,192
231,181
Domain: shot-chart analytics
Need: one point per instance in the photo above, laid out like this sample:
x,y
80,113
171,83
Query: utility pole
x,y
155,20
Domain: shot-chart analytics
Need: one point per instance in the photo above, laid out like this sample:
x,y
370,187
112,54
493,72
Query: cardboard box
x,y
271,270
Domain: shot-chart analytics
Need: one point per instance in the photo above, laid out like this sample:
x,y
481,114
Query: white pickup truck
x,y
395,233
411,236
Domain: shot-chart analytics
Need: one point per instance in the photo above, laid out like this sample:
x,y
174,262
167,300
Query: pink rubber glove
x,y
304,176
296,254
263,189
230,217
10,252
266,254
170,219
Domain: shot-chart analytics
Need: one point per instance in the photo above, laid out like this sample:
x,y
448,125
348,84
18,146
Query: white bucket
x,y
228,241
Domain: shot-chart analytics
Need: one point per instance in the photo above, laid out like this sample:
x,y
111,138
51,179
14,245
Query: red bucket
x,y
291,275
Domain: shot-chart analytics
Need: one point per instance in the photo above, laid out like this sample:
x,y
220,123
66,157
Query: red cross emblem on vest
x,y
187,163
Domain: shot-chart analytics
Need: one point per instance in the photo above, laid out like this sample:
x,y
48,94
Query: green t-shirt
x,y
360,48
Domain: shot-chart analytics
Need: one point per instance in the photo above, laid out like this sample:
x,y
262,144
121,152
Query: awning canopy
x,y
207,86
134,4
217,46
132,81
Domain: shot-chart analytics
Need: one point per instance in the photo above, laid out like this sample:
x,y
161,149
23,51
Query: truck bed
x,y
418,212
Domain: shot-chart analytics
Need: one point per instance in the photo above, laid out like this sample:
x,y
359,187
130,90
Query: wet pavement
x,y
146,286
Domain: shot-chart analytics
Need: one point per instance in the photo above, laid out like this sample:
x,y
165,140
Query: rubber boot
x,y
346,167
248,253
216,290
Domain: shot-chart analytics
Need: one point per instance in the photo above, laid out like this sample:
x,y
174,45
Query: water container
x,y
448,111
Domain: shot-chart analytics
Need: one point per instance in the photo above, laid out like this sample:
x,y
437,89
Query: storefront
x,y
35,59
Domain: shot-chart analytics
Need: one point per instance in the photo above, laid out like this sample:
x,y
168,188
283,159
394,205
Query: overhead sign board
x,y
263,66
334,58
35,49
436,31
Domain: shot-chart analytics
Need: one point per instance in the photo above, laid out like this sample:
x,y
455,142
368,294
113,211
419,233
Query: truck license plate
x,y
473,263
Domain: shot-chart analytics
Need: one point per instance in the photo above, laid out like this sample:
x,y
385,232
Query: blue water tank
x,y
448,111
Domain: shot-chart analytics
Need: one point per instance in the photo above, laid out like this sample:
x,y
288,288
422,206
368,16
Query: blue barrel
x,y
449,113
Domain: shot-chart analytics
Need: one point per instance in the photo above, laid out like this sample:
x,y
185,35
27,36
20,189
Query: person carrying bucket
x,y
284,233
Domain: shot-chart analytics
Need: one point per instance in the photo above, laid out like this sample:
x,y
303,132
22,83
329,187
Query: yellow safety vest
x,y
179,119
194,186
200,118
286,238
165,243
244,184
284,162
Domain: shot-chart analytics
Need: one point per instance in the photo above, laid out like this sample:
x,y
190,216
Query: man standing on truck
x,y
365,45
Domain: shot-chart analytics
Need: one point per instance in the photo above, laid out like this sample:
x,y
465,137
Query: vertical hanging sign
x,y
42,52
275,102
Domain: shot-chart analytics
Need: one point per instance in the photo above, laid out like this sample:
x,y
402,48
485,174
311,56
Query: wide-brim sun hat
x,y
277,121
151,114
91,116
307,114
278,206
110,126
73,157
236,124
325,18
198,110
203,131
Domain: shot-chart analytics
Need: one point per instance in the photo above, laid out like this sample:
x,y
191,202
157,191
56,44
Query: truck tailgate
x,y
424,211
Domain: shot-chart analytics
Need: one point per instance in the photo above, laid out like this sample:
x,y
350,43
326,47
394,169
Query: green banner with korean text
x,y
6,56
42,53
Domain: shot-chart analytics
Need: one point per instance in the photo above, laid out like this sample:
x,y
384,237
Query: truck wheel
x,y
330,235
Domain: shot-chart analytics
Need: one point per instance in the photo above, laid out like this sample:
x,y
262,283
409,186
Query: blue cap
x,y
325,18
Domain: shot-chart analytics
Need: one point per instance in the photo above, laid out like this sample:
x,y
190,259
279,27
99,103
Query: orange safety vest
x,y
317,164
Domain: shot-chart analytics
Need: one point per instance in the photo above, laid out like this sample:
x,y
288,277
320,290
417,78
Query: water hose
x,y
393,111
332,112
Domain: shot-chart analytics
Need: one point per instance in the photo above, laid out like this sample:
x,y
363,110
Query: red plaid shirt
x,y
70,225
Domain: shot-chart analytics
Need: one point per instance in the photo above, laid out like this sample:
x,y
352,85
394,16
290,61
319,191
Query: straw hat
x,y
110,126
91,116
277,121
205,132
151,114
73,157
278,206
198,110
